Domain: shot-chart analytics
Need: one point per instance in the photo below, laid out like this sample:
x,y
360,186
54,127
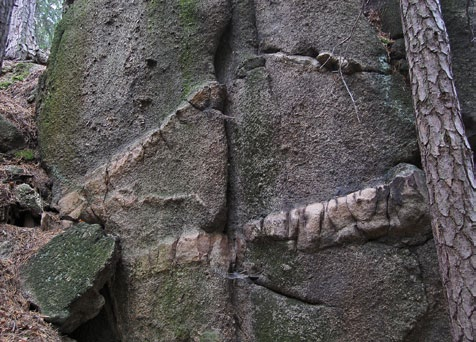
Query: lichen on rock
x,y
64,278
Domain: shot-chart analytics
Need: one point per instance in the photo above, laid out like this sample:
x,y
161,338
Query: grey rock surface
x,y
394,211
178,170
28,199
364,258
65,276
296,136
374,292
180,124
150,57
10,137
298,28
166,193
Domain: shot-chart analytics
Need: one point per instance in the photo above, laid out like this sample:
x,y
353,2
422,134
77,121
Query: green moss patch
x,y
67,267
19,72
27,155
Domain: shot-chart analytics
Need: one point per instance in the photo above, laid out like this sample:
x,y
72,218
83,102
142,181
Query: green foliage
x,y
27,155
48,13
385,40
5,84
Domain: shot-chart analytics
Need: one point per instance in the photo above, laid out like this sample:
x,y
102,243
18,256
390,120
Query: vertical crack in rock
x,y
230,154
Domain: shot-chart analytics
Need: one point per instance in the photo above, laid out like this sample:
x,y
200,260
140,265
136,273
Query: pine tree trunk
x,y
446,157
6,7
21,42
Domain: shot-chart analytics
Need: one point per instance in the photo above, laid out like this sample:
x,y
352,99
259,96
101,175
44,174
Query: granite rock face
x,y
351,262
64,278
251,182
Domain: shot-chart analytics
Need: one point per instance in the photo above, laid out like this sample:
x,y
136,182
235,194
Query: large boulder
x,y
64,278
180,125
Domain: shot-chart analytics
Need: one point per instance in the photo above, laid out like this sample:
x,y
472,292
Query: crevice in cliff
x,y
287,294
223,55
103,327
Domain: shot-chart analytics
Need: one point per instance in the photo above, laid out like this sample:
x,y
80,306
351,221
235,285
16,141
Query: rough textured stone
x,y
187,158
462,43
185,197
396,210
296,27
178,290
279,318
151,56
28,199
10,137
64,278
211,136
367,293
286,144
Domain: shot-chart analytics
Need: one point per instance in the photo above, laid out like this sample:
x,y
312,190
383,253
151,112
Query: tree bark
x,y
21,42
446,158
6,7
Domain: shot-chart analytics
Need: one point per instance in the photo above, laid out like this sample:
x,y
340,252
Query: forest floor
x,y
18,84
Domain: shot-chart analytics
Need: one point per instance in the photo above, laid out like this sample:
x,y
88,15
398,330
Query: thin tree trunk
x,y
446,157
6,7
21,42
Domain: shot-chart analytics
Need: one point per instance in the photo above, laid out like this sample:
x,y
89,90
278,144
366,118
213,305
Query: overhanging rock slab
x,y
64,278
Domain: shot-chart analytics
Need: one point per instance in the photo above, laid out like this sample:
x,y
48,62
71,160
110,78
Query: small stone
x,y
72,205
29,199
286,267
6,249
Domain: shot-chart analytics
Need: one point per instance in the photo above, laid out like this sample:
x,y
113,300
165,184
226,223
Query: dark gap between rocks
x,y
19,217
101,328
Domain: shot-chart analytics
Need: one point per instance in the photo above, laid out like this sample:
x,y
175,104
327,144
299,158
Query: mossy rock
x,y
10,136
64,278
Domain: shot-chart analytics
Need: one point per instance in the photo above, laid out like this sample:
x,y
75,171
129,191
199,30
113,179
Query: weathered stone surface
x,y
463,47
178,168
178,290
161,195
275,317
360,293
141,136
64,278
434,326
290,148
303,28
28,199
151,56
10,137
319,258
24,193
395,210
